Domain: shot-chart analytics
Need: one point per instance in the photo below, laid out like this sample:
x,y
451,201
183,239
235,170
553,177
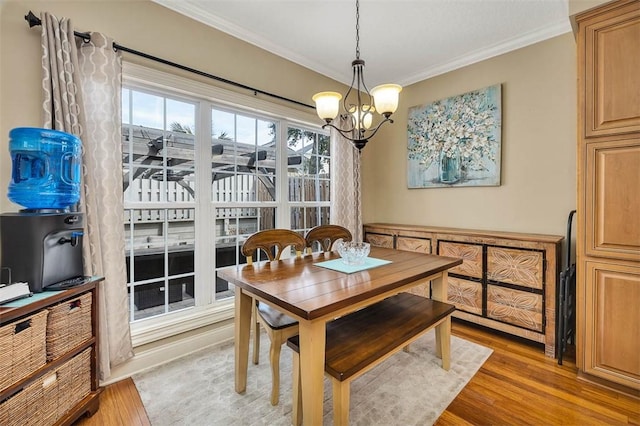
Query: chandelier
x,y
359,103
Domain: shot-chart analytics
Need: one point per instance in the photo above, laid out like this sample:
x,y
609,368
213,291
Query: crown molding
x,y
200,15
528,39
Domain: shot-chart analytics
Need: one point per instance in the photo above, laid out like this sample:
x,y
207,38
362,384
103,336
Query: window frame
x,y
207,310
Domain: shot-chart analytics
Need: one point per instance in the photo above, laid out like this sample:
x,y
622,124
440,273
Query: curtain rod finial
x,y
32,19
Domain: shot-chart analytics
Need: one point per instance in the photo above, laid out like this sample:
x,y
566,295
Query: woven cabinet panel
x,y
74,381
68,325
51,396
22,348
24,408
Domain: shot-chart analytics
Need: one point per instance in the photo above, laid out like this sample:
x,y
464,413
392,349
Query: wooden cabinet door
x,y
507,281
521,308
612,61
420,245
612,213
471,255
465,294
612,344
608,238
512,266
379,240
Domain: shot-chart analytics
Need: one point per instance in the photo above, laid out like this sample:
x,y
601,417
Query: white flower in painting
x,y
466,124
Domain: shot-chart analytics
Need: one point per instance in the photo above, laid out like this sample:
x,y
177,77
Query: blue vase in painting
x,y
450,165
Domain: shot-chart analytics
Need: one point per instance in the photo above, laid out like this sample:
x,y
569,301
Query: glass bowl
x,y
353,253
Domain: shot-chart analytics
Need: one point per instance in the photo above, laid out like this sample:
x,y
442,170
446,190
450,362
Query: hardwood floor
x,y
517,385
120,404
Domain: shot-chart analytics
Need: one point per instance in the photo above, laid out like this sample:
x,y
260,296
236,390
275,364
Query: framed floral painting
x,y
456,141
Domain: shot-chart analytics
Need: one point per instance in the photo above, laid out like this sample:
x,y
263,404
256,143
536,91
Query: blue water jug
x,y
45,168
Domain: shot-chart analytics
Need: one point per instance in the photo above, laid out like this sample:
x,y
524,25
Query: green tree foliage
x,y
183,128
298,140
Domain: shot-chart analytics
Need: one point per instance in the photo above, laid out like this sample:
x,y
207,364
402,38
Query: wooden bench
x,y
359,341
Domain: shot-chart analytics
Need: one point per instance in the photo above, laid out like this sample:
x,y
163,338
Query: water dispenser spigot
x,y
75,236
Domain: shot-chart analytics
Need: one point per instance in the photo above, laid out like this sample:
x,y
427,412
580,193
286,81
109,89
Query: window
x,y
203,169
244,182
309,186
159,196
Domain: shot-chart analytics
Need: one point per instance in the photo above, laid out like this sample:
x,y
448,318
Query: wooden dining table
x,y
315,295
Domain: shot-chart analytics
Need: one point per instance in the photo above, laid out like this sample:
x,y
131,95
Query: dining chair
x,y
326,236
279,327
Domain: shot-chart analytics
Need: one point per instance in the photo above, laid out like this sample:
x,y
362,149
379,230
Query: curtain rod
x,y
33,20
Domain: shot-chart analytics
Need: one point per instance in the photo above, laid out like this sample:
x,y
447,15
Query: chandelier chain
x,y
357,29
358,102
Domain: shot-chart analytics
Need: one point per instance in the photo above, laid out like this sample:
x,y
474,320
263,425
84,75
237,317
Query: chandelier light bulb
x,y
385,98
327,105
358,102
362,115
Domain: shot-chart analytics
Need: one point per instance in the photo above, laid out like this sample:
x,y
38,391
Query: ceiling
x,y
402,41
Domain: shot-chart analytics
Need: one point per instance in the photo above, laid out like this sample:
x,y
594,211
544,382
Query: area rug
x,y
409,388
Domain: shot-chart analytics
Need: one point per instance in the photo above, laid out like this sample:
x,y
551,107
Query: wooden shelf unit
x,y
88,404
507,280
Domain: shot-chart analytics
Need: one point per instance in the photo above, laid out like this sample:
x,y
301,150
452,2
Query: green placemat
x,y
340,266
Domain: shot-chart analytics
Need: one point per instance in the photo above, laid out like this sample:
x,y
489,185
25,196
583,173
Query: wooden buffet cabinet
x,y
608,237
48,358
507,280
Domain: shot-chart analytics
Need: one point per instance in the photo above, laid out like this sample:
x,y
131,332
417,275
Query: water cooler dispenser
x,y
42,244
43,249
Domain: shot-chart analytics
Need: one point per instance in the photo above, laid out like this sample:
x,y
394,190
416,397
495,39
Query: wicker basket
x,y
22,348
74,382
50,397
24,407
68,325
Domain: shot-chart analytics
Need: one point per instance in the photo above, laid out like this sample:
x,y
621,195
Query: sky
x,y
148,110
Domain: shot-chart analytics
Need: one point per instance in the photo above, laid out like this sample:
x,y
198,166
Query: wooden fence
x,y
300,189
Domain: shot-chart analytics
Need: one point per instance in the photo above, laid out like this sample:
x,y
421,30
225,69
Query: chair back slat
x,y
272,242
326,236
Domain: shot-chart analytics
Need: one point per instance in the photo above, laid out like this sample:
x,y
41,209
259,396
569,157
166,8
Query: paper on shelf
x,y
10,292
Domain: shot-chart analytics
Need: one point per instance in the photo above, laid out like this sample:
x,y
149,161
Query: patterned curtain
x,y
77,70
61,81
346,207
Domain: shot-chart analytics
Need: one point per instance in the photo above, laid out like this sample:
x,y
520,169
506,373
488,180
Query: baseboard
x,y
163,351
616,387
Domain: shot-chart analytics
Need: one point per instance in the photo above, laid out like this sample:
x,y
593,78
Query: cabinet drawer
x,y
471,255
22,348
51,396
513,266
420,245
68,325
465,294
515,307
380,240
